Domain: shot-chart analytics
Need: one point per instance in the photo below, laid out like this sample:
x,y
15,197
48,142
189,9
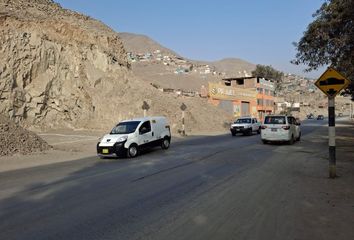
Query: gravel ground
x,y
68,145
15,139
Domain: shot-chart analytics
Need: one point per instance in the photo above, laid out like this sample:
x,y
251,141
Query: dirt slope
x,y
61,69
141,44
15,139
234,66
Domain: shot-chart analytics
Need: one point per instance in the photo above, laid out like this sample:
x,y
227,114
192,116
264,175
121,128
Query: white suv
x,y
280,128
246,126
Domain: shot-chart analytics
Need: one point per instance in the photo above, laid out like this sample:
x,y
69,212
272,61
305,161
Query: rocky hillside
x,y
60,69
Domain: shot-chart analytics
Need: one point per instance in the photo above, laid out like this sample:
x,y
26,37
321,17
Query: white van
x,y
280,128
130,136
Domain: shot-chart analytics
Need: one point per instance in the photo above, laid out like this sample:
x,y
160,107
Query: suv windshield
x,y
125,127
274,120
243,120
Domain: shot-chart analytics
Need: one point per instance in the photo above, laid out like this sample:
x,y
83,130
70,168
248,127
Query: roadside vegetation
x,y
269,72
329,40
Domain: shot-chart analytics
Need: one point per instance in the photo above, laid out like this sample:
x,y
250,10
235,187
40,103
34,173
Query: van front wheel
x,y
132,151
165,143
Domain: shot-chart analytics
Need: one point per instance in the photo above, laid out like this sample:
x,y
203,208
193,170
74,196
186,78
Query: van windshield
x,y
125,127
243,120
274,120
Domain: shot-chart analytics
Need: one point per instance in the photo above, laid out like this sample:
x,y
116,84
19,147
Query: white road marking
x,y
82,140
66,135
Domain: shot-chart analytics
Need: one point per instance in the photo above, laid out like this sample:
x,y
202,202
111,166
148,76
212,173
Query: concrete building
x,y
238,101
244,96
265,97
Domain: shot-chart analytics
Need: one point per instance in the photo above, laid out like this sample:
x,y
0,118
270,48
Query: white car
x,y
130,136
246,126
280,128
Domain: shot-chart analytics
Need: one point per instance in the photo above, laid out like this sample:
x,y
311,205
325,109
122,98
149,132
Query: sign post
x,y
332,137
331,83
183,108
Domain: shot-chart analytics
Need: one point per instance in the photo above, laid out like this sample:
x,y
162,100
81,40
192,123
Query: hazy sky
x,y
259,31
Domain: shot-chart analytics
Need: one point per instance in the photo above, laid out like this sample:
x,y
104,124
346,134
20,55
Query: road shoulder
x,y
70,146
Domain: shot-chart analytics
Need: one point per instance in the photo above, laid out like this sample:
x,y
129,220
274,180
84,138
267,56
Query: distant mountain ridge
x,y
234,66
139,43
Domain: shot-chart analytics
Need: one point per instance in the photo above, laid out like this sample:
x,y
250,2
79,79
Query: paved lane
x,y
204,188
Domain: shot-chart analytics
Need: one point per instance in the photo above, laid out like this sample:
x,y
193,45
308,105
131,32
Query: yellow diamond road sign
x,y
332,82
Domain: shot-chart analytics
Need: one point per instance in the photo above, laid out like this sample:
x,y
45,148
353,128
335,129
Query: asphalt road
x,y
218,187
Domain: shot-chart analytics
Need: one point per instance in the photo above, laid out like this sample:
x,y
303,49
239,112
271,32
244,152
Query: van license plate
x,y
274,129
105,150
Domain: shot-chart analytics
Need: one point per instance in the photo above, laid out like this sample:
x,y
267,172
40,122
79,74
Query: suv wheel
x,y
298,139
291,141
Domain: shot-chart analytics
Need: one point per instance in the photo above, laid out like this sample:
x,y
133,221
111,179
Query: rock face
x,y
52,62
60,69
15,139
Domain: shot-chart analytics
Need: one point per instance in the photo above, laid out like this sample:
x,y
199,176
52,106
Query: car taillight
x,y
263,127
286,127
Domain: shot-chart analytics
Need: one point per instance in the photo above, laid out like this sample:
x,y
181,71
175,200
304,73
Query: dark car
x,y
310,116
320,117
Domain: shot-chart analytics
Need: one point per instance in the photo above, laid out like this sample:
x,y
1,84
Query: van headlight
x,y
122,139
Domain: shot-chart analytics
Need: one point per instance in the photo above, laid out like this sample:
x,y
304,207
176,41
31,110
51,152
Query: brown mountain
x,y
59,68
164,75
234,66
141,44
